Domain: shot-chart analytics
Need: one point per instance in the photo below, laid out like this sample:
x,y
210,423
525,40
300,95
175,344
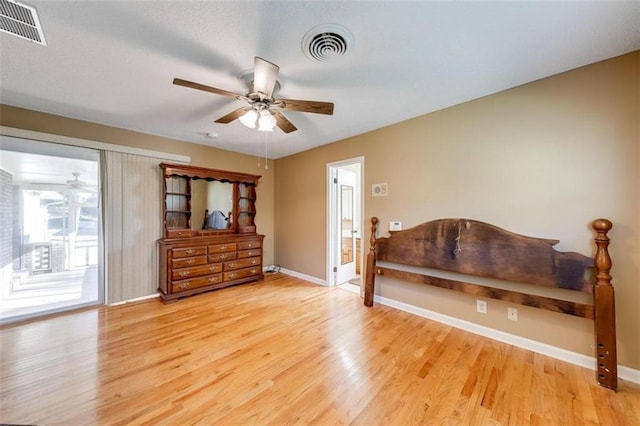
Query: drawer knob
x,y
249,245
190,261
223,247
223,256
184,274
253,262
213,279
212,268
231,265
184,285
190,251
232,275
253,271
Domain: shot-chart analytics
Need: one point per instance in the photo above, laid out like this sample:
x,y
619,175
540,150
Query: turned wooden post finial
x,y
374,226
602,259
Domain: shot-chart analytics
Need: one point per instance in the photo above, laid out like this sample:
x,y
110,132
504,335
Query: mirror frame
x,y
195,173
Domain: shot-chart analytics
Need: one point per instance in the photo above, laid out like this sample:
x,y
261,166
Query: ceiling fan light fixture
x,y
266,122
249,119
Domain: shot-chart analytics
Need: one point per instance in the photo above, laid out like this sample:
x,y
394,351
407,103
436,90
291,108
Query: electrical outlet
x,y
481,306
512,314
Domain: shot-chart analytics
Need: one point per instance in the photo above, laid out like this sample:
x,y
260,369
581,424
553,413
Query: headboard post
x,y
605,315
369,281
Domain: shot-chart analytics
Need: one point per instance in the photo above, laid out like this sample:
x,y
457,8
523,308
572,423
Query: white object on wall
x,y
395,226
379,190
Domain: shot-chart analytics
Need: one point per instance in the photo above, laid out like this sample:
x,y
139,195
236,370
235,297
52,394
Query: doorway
x,y
51,240
344,214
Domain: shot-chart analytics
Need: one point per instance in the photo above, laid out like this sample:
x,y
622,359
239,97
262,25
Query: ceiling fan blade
x,y
198,86
232,115
282,122
265,75
308,106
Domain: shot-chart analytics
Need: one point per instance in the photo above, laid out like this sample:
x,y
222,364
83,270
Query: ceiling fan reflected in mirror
x,y
263,109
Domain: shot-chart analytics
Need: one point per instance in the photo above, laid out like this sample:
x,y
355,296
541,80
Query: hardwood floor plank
x,y
284,351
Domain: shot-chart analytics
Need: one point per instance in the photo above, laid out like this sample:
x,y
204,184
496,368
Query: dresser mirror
x,y
211,204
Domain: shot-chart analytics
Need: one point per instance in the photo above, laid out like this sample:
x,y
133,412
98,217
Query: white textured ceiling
x,y
113,62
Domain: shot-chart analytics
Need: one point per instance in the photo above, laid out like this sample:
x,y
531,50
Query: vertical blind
x,y
132,224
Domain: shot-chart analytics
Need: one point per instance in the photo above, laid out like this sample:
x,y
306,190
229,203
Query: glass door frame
x,y
28,145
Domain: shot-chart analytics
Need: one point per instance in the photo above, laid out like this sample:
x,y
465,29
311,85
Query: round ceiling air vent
x,y
326,41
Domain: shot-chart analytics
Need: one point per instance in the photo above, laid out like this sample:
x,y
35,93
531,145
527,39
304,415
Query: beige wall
x,y
543,159
200,155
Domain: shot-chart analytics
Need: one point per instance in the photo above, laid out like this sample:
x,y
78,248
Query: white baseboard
x,y
629,374
137,299
351,288
575,358
304,277
346,286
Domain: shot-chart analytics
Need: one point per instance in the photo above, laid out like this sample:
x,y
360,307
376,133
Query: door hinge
x,y
335,180
335,269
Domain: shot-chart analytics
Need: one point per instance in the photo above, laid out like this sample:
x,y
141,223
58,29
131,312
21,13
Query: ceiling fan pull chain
x,y
266,158
259,147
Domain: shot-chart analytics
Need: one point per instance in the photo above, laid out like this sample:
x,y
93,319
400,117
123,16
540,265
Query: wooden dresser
x,y
193,265
198,254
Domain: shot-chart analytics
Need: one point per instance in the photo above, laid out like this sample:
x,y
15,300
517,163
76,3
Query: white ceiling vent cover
x,y
21,20
326,41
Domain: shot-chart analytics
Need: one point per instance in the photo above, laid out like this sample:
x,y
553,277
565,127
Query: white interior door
x,y
346,226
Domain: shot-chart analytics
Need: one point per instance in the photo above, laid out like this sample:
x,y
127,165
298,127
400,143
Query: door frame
x,y
24,142
332,223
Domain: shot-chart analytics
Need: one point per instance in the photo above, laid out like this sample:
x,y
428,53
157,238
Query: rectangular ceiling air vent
x,y
21,20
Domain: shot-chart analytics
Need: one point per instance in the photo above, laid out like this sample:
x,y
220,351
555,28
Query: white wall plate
x,y
379,190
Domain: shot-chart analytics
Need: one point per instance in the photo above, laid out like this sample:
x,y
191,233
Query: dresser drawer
x,y
196,271
241,263
221,248
244,245
184,285
219,257
179,233
242,273
189,261
249,253
188,252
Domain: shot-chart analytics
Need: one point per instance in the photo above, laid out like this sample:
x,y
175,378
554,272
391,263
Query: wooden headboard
x,y
475,248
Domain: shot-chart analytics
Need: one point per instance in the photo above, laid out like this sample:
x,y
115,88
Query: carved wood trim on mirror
x,y
210,239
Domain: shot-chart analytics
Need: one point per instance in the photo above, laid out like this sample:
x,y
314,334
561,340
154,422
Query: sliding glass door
x,y
50,228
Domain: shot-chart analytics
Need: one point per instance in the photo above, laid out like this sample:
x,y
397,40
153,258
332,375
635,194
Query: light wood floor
x,y
282,352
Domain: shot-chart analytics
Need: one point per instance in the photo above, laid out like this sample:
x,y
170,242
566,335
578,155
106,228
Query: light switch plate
x,y
379,190
395,226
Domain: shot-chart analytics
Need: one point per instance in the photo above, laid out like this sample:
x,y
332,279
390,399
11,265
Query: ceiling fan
x,y
263,109
76,184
